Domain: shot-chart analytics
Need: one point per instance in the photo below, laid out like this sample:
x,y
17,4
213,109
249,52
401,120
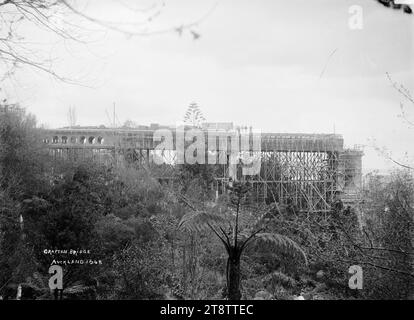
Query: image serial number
x,y
228,309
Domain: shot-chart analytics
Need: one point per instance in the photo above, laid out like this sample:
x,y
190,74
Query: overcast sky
x,y
282,66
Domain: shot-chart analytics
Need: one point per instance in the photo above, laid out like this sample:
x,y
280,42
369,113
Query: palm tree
x,y
236,228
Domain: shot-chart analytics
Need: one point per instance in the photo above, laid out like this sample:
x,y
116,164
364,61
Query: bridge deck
x,y
144,139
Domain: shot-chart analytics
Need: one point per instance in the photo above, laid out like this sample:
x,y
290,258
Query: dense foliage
x,y
129,222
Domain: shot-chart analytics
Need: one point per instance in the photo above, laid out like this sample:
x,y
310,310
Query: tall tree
x,y
194,116
237,228
22,155
23,168
389,231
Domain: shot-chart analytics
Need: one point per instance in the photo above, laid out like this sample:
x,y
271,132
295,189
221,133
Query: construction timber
x,y
308,171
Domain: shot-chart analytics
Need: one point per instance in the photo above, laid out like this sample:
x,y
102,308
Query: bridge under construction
x,y
309,171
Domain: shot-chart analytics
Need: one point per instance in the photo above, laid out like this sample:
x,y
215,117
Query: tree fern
x,y
282,243
237,228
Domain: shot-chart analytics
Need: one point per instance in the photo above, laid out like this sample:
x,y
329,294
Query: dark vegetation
x,y
163,241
